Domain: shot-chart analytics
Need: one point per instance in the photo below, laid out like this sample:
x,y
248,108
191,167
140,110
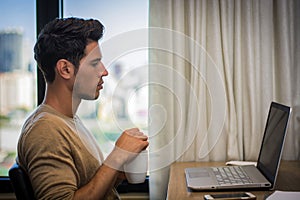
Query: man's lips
x,y
100,85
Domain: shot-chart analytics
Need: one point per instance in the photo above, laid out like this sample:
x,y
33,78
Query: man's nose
x,y
103,71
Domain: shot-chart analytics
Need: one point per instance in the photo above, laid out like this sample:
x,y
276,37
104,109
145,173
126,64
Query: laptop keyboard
x,y
231,175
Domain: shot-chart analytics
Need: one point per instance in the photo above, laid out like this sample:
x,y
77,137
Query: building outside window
x,y
17,74
124,100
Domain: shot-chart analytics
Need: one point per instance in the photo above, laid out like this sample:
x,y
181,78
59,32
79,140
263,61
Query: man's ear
x,y
65,69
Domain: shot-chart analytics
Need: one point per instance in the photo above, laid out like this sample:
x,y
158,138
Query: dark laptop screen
x,y
273,140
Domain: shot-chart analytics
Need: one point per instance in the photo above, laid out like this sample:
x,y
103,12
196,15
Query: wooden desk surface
x,y
288,180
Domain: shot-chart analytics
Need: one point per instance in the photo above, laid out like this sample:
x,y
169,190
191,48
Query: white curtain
x,y
215,67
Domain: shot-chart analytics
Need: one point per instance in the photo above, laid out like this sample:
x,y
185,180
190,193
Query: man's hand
x,y
132,140
128,146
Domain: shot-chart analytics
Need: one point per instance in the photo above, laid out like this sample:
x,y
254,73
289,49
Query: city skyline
x,y
18,88
117,15
22,17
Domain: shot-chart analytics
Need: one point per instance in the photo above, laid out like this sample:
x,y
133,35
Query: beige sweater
x,y
59,154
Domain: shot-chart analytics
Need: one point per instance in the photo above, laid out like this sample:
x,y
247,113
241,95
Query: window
x,y
17,74
22,87
123,102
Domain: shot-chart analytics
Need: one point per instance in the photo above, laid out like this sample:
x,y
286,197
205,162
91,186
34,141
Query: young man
x,y
60,156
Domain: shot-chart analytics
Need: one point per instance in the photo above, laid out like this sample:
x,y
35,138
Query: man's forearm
x,y
100,184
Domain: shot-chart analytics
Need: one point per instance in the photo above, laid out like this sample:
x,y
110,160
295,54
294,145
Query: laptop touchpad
x,y
198,174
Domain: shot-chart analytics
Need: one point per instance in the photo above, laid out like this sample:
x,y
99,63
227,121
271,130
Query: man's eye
x,y
95,64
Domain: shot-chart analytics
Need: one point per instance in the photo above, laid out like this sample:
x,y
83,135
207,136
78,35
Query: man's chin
x,y
97,94
90,97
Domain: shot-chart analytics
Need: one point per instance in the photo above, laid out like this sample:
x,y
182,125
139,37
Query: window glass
x,y
123,102
17,74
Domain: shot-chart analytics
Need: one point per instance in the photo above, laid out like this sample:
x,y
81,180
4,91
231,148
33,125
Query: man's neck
x,y
61,101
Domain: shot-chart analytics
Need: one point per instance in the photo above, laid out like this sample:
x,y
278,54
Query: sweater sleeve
x,y
47,156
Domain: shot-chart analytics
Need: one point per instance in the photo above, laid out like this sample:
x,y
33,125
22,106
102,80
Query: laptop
x,y
263,175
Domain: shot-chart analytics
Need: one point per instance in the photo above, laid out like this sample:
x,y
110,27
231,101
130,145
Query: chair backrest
x,y
21,183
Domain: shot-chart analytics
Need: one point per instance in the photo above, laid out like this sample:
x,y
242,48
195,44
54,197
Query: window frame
x,y
45,12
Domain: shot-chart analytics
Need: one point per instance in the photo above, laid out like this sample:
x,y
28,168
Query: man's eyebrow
x,y
96,59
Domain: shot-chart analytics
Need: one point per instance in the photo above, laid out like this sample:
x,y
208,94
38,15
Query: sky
x,y
18,14
116,15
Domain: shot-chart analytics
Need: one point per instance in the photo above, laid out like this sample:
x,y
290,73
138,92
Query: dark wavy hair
x,y
65,39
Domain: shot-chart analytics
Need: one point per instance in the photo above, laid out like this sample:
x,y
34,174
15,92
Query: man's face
x,y
89,78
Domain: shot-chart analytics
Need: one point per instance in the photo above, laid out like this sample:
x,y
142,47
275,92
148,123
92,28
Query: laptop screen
x,y
273,140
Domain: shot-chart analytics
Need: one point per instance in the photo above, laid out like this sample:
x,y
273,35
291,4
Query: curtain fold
x,y
215,66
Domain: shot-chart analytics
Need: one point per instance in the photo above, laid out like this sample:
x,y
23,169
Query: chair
x,y
21,183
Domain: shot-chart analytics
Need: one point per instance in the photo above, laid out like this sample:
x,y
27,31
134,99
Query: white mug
x,y
136,169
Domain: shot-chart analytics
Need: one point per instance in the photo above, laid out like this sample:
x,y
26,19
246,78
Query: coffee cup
x,y
136,169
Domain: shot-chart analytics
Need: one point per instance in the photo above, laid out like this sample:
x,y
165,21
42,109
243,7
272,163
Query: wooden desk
x,y
288,180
